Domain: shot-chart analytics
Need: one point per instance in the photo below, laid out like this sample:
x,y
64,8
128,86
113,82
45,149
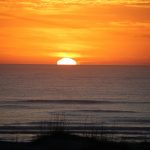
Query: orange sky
x,y
90,31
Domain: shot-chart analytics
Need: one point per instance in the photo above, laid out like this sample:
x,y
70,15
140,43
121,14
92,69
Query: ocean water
x,y
113,96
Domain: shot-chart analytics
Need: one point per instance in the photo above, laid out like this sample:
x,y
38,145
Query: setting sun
x,y
66,61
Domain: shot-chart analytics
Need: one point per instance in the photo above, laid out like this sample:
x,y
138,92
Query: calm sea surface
x,y
108,95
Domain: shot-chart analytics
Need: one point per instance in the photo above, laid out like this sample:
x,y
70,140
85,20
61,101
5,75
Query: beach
x,y
66,141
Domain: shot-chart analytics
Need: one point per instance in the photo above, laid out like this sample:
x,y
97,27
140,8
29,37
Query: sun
x,y
66,61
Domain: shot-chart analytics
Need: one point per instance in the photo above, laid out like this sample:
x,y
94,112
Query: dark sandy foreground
x,y
72,142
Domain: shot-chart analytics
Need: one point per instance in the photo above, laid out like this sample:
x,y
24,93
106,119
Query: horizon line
x,y
83,64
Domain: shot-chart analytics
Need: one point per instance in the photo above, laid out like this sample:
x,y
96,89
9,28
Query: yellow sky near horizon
x,y
90,31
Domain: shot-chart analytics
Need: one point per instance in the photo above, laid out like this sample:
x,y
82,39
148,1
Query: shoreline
x,y
117,132
65,141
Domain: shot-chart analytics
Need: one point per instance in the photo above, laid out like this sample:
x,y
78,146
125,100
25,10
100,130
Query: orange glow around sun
x,y
91,32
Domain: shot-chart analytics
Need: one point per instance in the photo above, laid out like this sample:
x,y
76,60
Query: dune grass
x,y
54,135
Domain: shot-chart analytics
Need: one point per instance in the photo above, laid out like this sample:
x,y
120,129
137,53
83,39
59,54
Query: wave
x,y
82,102
37,126
107,111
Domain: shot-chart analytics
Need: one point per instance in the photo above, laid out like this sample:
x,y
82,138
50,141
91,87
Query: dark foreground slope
x,y
67,142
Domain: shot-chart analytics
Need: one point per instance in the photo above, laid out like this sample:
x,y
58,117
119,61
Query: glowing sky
x,y
90,31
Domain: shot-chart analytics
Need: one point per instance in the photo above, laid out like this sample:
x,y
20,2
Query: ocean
x,y
115,97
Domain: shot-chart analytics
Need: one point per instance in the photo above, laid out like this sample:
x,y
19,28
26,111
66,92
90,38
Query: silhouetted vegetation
x,y
55,136
65,141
